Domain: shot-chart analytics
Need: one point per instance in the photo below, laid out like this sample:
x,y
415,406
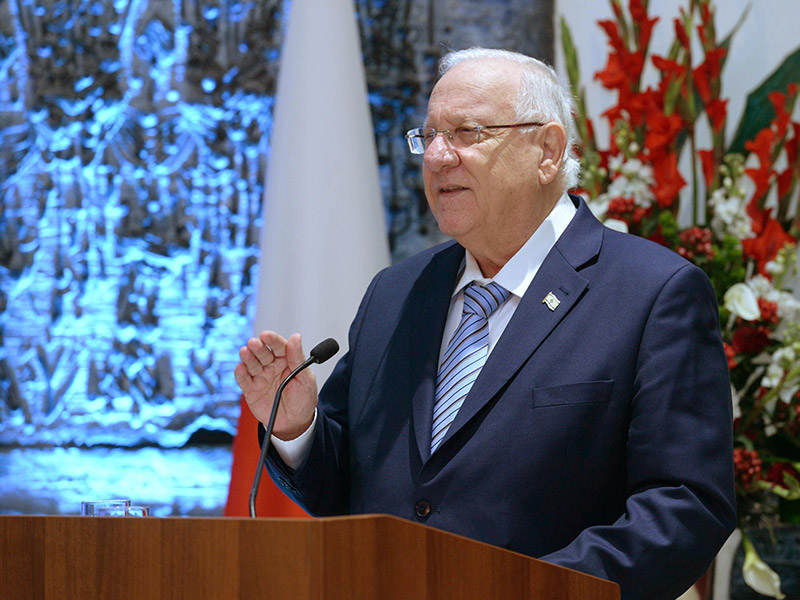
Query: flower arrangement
x,y
743,229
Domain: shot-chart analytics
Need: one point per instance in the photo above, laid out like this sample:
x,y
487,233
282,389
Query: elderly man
x,y
542,383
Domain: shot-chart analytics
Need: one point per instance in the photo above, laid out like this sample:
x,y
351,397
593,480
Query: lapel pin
x,y
551,301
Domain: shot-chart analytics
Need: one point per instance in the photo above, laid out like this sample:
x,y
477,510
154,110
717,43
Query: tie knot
x,y
483,300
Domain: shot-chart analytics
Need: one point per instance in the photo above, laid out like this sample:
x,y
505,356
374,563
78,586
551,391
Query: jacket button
x,y
423,509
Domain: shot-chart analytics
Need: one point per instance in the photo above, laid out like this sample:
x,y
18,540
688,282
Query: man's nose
x,y
440,153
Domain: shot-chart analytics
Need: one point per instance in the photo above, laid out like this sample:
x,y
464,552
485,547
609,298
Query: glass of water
x,y
97,508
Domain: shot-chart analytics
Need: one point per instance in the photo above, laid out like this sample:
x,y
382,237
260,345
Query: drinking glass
x,y
122,511
93,508
138,511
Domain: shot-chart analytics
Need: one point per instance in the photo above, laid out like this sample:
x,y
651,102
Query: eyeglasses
x,y
420,138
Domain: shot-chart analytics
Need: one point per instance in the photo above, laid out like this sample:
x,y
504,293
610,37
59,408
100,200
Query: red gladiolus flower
x,y
750,339
680,33
638,10
792,145
665,65
640,106
707,161
613,77
614,38
671,72
761,145
761,177
634,64
765,247
717,110
730,354
785,182
781,116
714,61
669,180
758,216
646,30
702,83
705,13
661,130
707,72
703,37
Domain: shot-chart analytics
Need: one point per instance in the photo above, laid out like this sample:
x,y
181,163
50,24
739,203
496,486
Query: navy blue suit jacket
x,y
597,436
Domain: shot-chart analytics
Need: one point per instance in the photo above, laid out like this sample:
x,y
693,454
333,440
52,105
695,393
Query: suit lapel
x,y
533,321
436,288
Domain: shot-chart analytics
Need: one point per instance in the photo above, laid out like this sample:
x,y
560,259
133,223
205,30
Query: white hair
x,y
543,95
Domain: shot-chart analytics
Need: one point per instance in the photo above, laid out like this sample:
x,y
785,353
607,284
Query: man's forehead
x,y
474,90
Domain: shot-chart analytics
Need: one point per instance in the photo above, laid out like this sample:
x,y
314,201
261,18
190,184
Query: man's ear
x,y
554,144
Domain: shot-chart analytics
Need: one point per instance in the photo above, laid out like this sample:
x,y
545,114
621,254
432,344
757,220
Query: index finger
x,y
274,341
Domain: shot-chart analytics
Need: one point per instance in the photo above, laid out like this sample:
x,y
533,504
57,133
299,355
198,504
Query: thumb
x,y
294,351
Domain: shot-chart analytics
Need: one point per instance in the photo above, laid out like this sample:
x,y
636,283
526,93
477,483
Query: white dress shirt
x,y
515,276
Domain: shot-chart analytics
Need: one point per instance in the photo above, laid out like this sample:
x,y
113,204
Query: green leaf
x,y
570,54
726,41
758,110
792,485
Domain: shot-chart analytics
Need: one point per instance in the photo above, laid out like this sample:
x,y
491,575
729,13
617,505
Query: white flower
x,y
631,179
788,392
737,411
599,205
762,287
628,179
772,377
742,302
785,357
615,163
788,305
616,225
758,575
780,374
730,216
773,267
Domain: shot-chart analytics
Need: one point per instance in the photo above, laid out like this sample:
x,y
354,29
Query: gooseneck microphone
x,y
319,354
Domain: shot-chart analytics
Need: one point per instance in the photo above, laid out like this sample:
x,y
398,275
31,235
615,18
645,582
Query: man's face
x,y
483,195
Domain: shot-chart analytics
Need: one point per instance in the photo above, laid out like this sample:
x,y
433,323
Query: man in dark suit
x,y
542,383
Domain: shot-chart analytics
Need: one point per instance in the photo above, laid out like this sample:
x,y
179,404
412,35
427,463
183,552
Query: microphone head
x,y
324,350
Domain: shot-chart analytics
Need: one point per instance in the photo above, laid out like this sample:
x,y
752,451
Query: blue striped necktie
x,y
465,355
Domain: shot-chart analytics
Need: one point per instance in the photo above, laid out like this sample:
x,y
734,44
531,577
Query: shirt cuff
x,y
294,452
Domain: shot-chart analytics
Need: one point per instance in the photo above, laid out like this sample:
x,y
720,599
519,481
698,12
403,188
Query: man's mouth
x,y
449,189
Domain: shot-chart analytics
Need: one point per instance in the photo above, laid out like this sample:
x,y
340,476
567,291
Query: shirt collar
x,y
517,274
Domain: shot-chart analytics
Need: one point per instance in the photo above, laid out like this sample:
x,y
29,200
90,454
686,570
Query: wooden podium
x,y
349,558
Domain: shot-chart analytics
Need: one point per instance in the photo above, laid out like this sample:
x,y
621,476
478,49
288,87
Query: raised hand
x,y
266,361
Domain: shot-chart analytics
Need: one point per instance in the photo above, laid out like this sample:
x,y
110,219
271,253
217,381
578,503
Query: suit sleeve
x,y
680,503
321,485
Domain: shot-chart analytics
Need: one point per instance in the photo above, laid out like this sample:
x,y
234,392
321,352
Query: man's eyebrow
x,y
458,121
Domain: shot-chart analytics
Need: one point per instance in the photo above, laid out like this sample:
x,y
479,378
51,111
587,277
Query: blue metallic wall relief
x,y
134,138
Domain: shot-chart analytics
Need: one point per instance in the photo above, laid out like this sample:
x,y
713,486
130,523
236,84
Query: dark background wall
x,y
133,142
